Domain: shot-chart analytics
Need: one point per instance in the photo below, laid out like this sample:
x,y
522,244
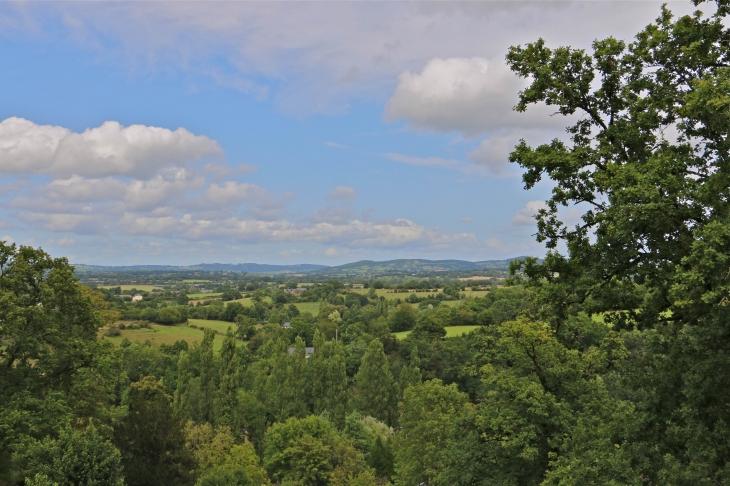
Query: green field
x,y
311,307
217,326
142,287
203,295
246,301
163,335
193,280
451,331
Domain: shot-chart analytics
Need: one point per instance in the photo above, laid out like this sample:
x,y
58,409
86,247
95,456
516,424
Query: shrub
x,y
113,331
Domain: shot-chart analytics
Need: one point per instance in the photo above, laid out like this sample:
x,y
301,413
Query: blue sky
x,y
276,132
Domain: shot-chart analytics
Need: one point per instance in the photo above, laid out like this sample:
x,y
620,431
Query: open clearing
x,y
203,295
193,280
451,331
311,307
141,287
217,326
163,335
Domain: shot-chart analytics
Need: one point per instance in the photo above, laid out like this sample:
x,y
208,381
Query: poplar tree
x,y
375,392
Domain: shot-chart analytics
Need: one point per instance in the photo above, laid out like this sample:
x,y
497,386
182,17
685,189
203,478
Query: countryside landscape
x,y
365,243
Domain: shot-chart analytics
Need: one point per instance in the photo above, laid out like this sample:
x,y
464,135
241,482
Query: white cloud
x,y
526,215
422,161
68,222
468,219
7,239
322,54
137,150
464,94
493,153
231,193
343,193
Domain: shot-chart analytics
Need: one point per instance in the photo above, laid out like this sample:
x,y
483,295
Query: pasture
x,y
158,334
451,331
220,327
311,307
203,295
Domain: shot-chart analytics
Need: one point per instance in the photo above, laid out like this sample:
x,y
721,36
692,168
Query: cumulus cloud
x,y
230,193
468,95
111,149
465,94
493,153
526,215
322,54
343,193
422,161
468,219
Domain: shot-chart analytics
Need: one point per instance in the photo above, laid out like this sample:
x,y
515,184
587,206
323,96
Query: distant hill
x,y
414,266
204,267
363,267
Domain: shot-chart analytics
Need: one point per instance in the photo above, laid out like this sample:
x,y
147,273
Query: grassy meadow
x,y
218,326
158,334
451,331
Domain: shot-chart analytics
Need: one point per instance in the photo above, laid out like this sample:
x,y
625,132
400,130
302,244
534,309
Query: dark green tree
x,y
649,158
48,326
403,318
151,438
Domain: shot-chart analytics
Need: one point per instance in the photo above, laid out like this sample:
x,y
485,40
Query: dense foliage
x,y
605,363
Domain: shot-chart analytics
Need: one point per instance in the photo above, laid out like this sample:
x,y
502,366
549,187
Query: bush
x,y
169,315
113,331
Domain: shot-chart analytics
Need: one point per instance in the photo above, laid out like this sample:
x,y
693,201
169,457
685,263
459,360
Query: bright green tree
x,y
375,393
328,375
228,379
75,458
310,452
410,375
428,413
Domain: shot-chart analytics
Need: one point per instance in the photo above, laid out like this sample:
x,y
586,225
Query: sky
x,y
280,132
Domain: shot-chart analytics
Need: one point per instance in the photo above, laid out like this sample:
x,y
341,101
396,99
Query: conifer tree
x,y
151,438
